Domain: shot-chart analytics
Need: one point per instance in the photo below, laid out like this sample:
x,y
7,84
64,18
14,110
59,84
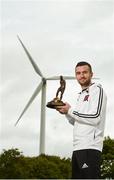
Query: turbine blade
x,y
53,78
31,100
69,77
36,68
95,78
58,77
65,77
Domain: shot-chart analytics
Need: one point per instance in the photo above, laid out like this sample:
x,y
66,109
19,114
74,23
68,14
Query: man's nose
x,y
81,75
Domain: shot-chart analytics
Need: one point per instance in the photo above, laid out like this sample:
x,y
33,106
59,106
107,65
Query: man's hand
x,y
64,109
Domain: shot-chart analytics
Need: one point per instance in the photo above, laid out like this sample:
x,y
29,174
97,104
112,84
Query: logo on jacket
x,y
86,98
84,166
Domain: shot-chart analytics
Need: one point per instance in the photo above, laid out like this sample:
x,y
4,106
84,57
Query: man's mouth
x,y
82,79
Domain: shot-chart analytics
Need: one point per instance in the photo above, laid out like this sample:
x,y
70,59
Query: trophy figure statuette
x,y
57,101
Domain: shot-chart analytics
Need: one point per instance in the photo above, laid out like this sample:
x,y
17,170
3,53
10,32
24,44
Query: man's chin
x,y
84,83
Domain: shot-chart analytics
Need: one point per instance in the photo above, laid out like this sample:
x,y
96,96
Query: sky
x,y
58,34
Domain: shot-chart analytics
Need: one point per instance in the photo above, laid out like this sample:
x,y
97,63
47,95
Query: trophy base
x,y
55,103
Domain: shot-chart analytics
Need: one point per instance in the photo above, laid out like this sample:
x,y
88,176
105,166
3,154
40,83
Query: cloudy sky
x,y
58,34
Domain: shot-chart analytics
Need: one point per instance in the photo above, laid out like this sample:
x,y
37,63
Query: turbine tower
x,y
40,87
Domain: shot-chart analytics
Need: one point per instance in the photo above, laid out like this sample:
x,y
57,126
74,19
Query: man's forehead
x,y
82,68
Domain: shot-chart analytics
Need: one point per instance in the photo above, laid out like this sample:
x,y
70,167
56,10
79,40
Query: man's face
x,y
83,75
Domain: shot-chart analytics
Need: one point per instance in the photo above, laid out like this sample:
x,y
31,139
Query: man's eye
x,y
78,73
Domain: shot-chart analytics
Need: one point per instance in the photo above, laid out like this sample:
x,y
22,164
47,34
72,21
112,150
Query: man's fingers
x,y
60,110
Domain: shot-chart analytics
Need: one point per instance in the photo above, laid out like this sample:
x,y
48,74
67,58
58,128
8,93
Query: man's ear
x,y
91,74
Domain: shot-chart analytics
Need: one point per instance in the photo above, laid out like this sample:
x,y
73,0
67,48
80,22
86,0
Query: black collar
x,y
86,89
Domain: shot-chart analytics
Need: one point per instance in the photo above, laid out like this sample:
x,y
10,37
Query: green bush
x,y
13,165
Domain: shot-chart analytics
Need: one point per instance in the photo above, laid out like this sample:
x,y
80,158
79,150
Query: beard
x,y
85,82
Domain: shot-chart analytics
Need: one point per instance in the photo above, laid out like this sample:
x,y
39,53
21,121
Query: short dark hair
x,y
83,63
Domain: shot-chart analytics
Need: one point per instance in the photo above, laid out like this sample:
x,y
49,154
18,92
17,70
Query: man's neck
x,y
86,87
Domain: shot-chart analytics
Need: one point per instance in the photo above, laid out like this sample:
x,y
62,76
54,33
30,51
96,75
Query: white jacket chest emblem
x,y
86,98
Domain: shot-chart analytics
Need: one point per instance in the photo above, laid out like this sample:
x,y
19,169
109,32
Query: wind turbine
x,y
40,87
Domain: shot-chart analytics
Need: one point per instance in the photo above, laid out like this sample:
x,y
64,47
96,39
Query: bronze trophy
x,y
57,101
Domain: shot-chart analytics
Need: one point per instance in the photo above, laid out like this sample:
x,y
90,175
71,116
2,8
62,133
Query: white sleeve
x,y
92,114
70,118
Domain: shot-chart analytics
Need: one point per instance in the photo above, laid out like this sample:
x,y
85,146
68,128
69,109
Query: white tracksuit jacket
x,y
88,118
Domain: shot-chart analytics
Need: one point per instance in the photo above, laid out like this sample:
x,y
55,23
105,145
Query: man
x,y
88,119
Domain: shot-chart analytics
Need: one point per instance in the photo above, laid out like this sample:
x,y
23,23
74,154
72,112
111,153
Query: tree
x,y
61,167
107,167
13,165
